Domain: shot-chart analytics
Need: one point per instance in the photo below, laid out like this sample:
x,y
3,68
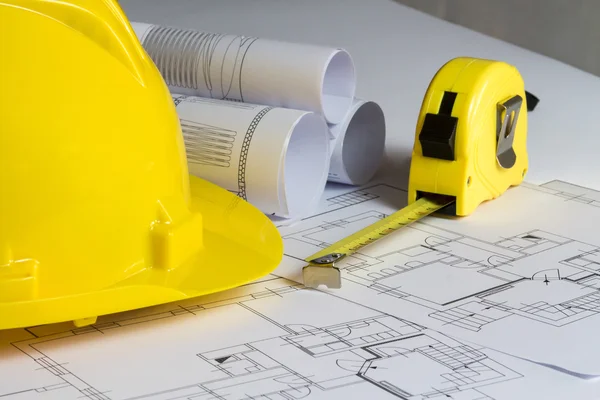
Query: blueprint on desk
x,y
269,340
520,275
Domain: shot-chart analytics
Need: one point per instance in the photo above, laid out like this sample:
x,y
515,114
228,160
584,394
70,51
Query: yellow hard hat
x,y
98,213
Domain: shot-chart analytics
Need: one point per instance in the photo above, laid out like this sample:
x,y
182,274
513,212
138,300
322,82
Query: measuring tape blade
x,y
470,147
321,269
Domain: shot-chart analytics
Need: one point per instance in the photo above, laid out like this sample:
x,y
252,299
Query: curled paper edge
x,y
358,145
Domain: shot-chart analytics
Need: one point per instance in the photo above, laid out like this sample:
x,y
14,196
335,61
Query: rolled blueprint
x,y
252,70
358,144
275,158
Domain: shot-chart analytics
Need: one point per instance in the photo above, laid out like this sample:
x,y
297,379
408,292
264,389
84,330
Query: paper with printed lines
x,y
275,158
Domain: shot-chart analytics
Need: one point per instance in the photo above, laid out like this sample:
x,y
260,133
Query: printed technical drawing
x,y
573,192
178,98
208,62
245,148
209,145
206,144
272,339
498,278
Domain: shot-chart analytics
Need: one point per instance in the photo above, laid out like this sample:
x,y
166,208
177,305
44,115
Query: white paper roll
x,y
275,158
252,70
358,145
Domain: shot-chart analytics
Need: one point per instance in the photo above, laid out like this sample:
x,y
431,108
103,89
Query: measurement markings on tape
x,y
321,267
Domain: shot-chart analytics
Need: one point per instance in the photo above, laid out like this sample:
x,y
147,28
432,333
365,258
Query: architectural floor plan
x,y
520,273
270,340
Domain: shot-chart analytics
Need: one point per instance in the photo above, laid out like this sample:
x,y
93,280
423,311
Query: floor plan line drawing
x,y
572,192
348,198
368,192
496,265
457,281
300,354
275,339
352,196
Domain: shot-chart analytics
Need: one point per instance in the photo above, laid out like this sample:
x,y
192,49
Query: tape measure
x,y
470,147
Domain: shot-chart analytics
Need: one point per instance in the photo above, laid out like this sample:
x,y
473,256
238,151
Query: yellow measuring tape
x,y
321,268
470,147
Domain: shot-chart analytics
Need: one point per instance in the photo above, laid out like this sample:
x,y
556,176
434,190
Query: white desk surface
x,y
397,50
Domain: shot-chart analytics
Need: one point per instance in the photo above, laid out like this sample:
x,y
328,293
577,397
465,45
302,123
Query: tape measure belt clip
x,y
507,117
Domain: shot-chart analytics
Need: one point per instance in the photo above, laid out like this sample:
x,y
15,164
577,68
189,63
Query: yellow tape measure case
x,y
470,140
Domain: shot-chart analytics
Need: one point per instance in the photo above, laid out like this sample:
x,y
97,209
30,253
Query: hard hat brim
x,y
240,244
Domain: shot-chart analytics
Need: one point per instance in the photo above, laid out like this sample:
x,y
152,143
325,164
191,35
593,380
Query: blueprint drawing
x,y
520,275
270,340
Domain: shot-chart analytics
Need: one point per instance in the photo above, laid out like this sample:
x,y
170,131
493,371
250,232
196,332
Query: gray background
x,y
566,30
